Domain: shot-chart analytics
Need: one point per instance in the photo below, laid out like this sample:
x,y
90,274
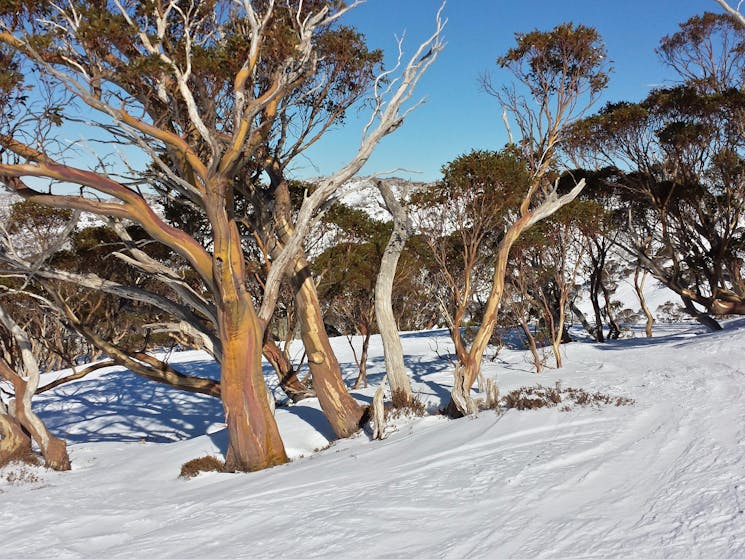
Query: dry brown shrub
x,y
401,406
194,467
534,397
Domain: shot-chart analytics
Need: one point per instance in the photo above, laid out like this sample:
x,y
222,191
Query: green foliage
x,y
29,216
707,52
568,60
479,188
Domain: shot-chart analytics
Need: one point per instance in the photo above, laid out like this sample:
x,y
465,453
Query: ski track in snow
x,y
661,478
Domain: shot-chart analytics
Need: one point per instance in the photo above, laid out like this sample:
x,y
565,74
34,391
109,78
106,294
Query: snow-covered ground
x,y
660,478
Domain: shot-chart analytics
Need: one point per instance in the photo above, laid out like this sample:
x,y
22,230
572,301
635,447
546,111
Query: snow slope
x,y
660,478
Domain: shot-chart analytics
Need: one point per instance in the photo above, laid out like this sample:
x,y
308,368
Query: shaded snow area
x,y
660,478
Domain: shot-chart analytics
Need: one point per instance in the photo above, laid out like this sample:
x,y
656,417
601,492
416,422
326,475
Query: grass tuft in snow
x,y
194,467
535,397
401,406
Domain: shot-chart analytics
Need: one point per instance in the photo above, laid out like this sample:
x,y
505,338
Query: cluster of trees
x,y
210,244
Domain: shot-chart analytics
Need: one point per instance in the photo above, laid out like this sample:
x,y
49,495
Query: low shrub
x,y
194,467
535,397
401,406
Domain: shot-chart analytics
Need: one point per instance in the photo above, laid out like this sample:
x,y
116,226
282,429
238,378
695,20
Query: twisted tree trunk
x,y
254,440
53,449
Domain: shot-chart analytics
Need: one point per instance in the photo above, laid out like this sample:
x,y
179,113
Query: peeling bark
x,y
340,408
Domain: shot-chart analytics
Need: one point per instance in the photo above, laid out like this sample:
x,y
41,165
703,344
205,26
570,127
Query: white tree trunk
x,y
394,356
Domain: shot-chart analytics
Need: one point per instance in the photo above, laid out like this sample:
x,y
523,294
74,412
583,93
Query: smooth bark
x,y
392,349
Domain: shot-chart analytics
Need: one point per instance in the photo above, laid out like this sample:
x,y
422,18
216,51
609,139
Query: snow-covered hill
x,y
660,478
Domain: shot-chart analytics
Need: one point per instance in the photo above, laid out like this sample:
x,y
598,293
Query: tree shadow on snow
x,y
120,406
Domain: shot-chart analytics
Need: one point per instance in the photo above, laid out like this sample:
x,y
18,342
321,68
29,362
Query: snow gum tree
x,y
677,161
559,74
197,88
463,216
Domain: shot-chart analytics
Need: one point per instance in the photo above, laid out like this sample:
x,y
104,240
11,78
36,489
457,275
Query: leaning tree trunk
x,y
701,317
639,288
589,328
343,412
472,367
481,340
53,449
286,373
530,339
392,350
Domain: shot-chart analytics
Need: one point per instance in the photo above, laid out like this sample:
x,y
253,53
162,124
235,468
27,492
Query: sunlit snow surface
x,y
660,478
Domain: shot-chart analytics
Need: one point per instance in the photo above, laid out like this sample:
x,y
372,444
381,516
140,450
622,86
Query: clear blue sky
x,y
458,116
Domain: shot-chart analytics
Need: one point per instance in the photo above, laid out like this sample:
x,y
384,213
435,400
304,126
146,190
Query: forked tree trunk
x,y
392,349
472,367
470,370
53,450
366,332
595,287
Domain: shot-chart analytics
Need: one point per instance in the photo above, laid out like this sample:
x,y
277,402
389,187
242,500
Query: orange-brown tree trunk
x,y
14,443
343,412
254,439
286,373
53,449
